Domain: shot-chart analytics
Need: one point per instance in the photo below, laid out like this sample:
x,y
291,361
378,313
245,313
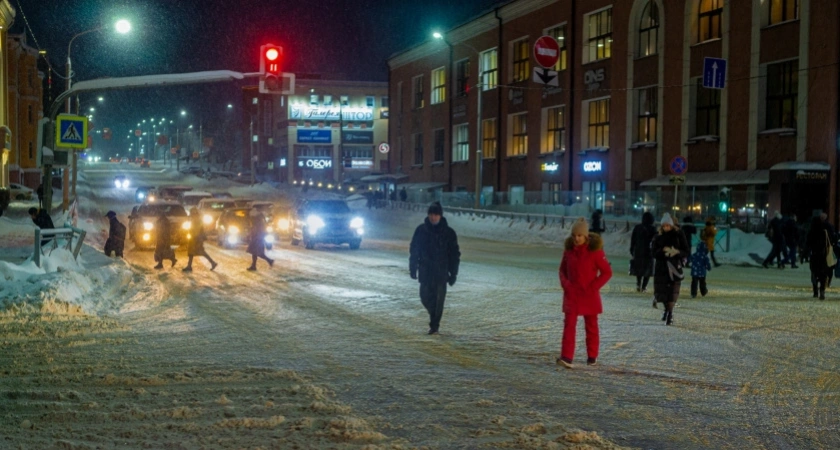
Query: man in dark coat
x,y
790,230
195,245
256,240
116,236
641,262
434,257
597,224
777,238
163,242
403,194
819,242
42,220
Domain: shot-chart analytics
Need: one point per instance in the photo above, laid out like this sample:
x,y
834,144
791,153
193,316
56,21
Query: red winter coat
x,y
584,270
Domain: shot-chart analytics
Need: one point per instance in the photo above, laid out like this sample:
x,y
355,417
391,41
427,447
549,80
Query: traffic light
x,y
723,200
271,58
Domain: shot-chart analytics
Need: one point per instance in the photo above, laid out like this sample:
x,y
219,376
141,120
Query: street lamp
x,y
479,158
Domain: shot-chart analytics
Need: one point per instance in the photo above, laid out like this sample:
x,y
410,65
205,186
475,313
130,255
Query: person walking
x,y
790,230
669,250
163,242
708,235
116,236
583,271
819,244
597,225
403,194
434,259
42,220
40,192
641,262
195,245
256,240
777,238
700,265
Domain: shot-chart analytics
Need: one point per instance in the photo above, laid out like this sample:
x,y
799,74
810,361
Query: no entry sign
x,y
546,51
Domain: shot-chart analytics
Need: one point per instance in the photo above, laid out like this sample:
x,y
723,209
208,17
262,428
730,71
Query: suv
x,y
141,223
326,222
234,227
210,209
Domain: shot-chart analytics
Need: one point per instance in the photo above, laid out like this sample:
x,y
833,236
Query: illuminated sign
x,y
592,166
549,167
360,163
317,164
323,136
320,113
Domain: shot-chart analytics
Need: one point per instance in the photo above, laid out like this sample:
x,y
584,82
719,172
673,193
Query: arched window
x,y
649,30
709,26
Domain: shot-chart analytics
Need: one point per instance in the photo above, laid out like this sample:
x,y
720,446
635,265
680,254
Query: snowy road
x,y
753,365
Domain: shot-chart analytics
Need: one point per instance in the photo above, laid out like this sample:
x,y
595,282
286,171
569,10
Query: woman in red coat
x,y
584,270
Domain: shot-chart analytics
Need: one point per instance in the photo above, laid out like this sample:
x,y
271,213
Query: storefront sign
x,y
315,163
592,166
383,113
298,112
361,163
324,136
550,167
358,137
593,78
802,175
516,96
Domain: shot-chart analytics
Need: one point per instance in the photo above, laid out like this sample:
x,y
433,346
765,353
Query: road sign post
x,y
678,166
546,54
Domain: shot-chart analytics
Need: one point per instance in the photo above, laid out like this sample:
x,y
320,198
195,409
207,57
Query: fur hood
x,y
595,242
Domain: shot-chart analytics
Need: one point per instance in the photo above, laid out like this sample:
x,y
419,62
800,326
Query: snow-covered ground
x,y
326,350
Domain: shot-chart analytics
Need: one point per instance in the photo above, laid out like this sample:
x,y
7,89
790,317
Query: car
x,y
234,228
191,198
145,163
172,192
209,209
145,194
192,170
121,182
141,223
326,222
20,192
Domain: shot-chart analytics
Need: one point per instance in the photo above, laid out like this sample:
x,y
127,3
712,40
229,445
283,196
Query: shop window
x,y
438,86
593,192
328,100
462,75
440,145
707,111
489,67
649,30
783,11
370,101
646,114
559,33
313,99
518,134
555,129
345,101
489,142
599,123
383,102
709,20
417,92
782,94
599,35
521,60
418,148
461,146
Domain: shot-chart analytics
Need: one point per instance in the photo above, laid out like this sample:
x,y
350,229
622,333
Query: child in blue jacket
x,y
699,265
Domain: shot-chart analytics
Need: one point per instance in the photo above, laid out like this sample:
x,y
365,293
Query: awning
x,y
802,165
723,178
427,186
383,177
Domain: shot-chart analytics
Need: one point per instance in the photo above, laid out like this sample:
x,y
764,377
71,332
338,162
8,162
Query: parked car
x,y
192,170
211,208
326,222
121,182
141,223
234,228
20,192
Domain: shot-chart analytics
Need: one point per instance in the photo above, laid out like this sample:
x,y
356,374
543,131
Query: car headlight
x,y
141,195
283,224
232,239
186,225
269,229
269,239
233,229
147,236
207,219
117,183
148,226
125,183
314,223
357,222
151,198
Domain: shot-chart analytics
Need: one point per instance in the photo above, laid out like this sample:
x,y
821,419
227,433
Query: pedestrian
x,y
584,270
597,225
163,241
819,244
403,194
700,265
116,236
832,236
40,192
393,195
790,230
195,244
434,258
256,240
669,250
708,235
42,220
641,257
689,230
776,237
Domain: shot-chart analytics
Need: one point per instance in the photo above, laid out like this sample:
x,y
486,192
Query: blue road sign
x,y
71,131
679,165
714,73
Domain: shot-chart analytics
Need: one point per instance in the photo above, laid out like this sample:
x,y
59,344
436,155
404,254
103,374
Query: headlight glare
x,y
148,226
357,222
207,219
233,229
314,222
186,225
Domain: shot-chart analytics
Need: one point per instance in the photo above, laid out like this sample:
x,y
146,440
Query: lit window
x,y
559,33
521,60
462,143
599,31
709,27
783,10
649,30
438,86
646,114
489,66
519,135
555,130
599,123
488,138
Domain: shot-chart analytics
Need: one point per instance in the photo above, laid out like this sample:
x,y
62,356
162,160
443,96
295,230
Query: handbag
x,y
830,259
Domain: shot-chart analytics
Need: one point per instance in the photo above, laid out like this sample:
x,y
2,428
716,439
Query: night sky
x,y
341,39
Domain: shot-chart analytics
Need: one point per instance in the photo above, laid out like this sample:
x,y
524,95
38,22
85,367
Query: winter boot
x,y
822,294
665,316
670,319
816,291
159,266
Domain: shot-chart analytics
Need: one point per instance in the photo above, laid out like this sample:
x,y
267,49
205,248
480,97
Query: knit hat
x,y
580,227
110,214
667,220
435,208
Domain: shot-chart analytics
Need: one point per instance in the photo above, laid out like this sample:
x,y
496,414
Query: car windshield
x,y
328,207
218,205
156,209
192,200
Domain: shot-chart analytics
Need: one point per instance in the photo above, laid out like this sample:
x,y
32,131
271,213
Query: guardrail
x,y
68,237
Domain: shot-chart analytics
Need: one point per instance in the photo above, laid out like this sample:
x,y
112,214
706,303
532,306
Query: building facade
x,y
721,98
7,17
328,131
25,90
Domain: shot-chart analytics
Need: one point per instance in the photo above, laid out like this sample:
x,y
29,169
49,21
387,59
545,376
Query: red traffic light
x,y
272,53
270,58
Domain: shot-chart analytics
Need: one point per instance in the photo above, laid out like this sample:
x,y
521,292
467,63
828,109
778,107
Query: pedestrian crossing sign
x,y
71,131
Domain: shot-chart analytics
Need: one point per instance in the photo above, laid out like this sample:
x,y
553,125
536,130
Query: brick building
x,y
25,91
630,98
